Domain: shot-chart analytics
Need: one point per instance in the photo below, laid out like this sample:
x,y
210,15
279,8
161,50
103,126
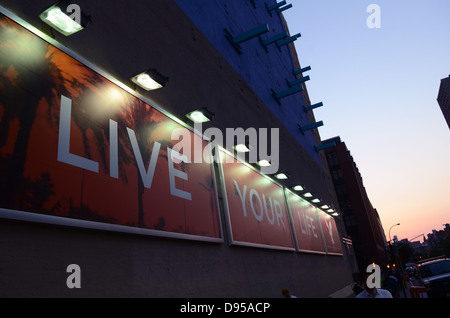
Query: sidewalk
x,y
404,292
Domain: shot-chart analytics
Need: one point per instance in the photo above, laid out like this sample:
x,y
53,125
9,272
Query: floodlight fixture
x,y
65,17
201,115
150,80
264,163
281,176
242,148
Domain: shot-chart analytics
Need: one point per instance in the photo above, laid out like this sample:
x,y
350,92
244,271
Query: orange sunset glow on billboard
x,y
75,145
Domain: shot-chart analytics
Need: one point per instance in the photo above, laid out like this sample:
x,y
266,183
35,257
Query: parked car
x,y
434,274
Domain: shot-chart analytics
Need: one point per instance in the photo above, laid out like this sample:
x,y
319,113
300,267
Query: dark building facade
x,y
97,176
443,98
360,218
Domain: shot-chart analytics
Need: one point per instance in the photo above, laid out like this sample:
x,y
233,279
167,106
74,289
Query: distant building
x,y
443,98
361,220
436,236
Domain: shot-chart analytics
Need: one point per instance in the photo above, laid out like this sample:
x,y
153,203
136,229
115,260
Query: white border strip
x,y
71,222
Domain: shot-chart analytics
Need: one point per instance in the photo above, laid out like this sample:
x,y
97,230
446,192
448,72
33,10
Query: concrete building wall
x,y
123,40
262,70
35,258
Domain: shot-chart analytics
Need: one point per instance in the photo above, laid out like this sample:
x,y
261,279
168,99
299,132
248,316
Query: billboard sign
x,y
255,207
308,234
330,233
76,146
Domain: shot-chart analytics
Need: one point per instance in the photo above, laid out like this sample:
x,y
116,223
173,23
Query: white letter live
x,y
65,156
374,19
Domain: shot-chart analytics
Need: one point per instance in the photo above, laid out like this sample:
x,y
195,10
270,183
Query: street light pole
x,y
391,247
390,232
400,267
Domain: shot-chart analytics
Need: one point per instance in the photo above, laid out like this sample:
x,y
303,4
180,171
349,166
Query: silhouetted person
x,y
391,283
373,292
286,293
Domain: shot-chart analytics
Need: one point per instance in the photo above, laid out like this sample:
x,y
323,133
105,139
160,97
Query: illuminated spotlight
x,y
281,176
65,18
308,195
324,207
150,80
201,115
335,214
315,201
241,148
298,188
264,163
330,210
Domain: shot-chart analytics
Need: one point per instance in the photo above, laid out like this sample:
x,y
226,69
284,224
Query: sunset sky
x,y
379,88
